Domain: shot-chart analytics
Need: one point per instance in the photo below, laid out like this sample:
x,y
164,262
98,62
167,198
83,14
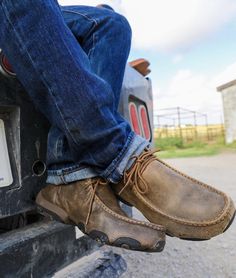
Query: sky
x,y
190,44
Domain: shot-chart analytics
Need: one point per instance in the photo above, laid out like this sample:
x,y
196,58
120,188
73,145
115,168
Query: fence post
x,y
195,125
179,123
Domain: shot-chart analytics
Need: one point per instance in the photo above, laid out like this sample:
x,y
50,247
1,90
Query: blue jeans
x,y
71,61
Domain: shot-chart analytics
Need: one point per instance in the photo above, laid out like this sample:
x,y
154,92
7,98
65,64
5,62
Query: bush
x,y
169,143
195,144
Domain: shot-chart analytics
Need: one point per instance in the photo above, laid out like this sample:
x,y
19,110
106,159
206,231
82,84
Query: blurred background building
x,y
228,92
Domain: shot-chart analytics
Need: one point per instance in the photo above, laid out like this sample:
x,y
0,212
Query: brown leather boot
x,y
92,206
188,208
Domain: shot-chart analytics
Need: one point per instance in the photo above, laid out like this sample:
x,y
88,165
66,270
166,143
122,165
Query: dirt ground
x,y
215,258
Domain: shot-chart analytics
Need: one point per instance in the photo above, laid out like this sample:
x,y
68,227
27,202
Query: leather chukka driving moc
x,y
92,206
188,208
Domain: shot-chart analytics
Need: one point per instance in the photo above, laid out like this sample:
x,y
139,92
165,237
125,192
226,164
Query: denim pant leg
x,y
105,36
95,30
57,74
102,33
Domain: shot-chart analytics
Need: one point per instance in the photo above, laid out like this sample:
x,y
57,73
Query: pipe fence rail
x,y
189,125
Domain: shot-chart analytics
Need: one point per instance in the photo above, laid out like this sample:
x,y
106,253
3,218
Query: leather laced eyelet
x,y
94,184
133,177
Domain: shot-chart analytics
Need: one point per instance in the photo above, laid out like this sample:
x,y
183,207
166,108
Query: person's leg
x,y
101,33
77,102
57,75
105,36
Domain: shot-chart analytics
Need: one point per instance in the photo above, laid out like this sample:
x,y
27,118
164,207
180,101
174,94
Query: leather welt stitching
x,y
132,221
192,179
197,224
226,199
212,189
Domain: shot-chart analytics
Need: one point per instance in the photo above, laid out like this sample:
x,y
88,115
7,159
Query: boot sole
x,y
203,239
56,213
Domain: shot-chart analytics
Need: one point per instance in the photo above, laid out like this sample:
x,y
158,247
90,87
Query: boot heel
x,y
48,214
52,211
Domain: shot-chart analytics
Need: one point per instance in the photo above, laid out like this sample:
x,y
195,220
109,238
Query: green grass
x,y
175,147
231,146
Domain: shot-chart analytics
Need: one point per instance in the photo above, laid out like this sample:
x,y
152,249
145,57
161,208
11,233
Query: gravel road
x,y
215,258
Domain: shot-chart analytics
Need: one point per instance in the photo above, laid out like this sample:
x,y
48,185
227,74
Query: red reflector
x,y
145,122
134,118
7,66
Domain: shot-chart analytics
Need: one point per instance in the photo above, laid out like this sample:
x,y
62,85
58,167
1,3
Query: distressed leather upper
x,y
187,207
91,204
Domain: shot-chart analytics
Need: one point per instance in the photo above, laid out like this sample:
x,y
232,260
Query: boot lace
x,y
133,177
95,184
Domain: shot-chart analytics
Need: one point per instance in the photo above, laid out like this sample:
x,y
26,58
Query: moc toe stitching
x,y
224,213
129,220
227,202
210,188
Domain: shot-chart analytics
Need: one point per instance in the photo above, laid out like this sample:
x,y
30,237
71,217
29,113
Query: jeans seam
x,y
64,171
95,22
92,49
63,178
59,147
118,159
84,15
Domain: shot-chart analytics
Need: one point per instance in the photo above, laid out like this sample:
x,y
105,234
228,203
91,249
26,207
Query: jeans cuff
x,y
134,147
114,172
65,176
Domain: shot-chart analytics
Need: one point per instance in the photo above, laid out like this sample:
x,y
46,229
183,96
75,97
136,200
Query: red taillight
x,y
145,122
7,65
134,118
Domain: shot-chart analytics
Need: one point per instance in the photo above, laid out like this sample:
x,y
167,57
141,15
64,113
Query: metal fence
x,y
185,124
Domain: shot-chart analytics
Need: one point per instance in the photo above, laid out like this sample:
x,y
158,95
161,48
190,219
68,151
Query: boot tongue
x,y
107,196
